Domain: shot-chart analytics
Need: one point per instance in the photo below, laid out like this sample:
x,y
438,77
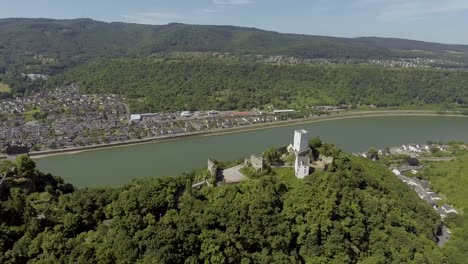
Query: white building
x,y
186,114
35,77
135,117
301,140
301,166
286,111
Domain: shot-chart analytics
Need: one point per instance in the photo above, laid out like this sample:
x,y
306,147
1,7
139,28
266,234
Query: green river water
x,y
117,166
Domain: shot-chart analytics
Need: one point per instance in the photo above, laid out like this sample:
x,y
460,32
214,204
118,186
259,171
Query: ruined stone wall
x,y
257,162
212,168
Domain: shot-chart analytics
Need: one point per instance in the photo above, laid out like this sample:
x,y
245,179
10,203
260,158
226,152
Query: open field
x,y
4,88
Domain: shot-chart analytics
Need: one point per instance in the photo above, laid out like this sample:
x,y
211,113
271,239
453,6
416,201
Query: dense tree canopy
x,y
205,83
271,156
49,46
451,178
357,212
315,142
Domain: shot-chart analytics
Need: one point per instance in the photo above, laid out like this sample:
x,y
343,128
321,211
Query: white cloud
x,y
154,18
407,10
232,2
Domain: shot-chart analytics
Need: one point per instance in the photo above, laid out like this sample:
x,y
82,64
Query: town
x,y
65,118
434,63
62,117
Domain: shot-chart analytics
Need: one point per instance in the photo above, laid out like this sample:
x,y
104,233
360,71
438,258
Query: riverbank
x,y
120,165
219,132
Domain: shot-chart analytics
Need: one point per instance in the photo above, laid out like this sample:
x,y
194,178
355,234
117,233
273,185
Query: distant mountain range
x,y
52,45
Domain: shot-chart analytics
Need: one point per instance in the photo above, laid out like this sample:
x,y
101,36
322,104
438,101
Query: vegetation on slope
x,y
206,83
22,174
451,178
49,46
358,212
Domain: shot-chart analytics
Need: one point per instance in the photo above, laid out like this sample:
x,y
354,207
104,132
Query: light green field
x,y
4,88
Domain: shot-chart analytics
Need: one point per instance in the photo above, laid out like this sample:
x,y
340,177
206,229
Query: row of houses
x,y
422,188
413,149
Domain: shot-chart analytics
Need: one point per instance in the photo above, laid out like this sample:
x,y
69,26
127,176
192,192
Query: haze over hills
x,y
51,45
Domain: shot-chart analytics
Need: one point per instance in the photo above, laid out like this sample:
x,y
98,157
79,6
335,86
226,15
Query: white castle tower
x,y
301,150
301,140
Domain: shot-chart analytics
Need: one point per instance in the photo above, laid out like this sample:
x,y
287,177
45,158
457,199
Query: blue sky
x,y
431,20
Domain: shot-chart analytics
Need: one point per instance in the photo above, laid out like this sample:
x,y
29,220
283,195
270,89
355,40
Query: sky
x,y
444,21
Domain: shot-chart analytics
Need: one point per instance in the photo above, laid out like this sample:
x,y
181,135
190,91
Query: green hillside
x,y
207,83
358,212
53,46
49,46
450,179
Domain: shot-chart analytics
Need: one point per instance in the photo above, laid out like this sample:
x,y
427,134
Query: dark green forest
x,y
357,212
50,46
451,178
210,83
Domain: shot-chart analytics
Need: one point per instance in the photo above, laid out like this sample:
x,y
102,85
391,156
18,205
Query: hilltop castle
x,y
305,162
302,151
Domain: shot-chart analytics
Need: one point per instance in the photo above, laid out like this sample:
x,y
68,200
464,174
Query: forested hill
x,y
206,83
357,212
411,45
49,46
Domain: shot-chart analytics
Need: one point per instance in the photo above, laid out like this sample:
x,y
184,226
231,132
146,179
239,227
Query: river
x,y
117,166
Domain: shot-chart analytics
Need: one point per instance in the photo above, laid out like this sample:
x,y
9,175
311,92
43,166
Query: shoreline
x,y
248,128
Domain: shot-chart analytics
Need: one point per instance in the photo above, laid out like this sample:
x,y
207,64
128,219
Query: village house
x,y
423,190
